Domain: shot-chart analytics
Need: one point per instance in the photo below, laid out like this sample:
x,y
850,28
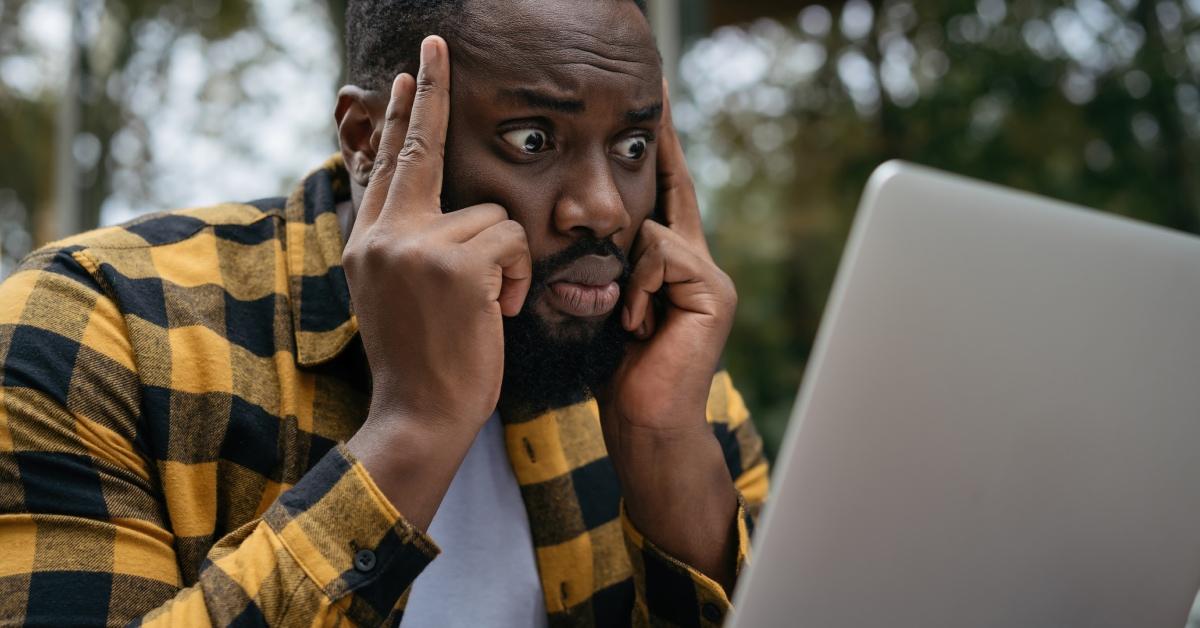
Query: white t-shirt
x,y
486,574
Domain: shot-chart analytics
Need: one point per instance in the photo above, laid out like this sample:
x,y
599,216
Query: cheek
x,y
639,193
475,175
529,198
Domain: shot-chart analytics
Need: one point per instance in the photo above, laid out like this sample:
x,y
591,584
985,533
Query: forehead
x,y
564,46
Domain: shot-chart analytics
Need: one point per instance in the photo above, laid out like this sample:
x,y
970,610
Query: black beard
x,y
543,370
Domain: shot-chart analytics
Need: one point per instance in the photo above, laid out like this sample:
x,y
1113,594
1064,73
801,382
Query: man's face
x,y
554,109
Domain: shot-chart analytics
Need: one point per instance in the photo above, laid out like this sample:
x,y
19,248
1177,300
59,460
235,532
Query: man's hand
x,y
429,290
667,374
677,489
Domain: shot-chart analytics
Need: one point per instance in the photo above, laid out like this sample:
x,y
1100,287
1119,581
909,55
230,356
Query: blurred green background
x,y
1090,101
109,109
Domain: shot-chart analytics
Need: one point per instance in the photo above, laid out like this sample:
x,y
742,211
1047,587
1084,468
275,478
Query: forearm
x,y
295,566
679,495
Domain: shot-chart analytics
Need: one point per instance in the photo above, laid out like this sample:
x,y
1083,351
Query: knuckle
x,y
417,255
407,253
731,302
727,286
376,252
415,147
513,229
351,259
659,247
428,86
441,268
652,230
419,146
384,164
723,288
367,254
491,212
392,115
495,212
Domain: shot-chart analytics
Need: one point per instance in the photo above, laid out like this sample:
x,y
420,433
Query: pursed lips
x,y
587,287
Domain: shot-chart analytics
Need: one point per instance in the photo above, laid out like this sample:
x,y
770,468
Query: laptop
x,y
999,426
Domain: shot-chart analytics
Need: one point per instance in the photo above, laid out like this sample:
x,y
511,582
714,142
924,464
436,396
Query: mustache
x,y
588,245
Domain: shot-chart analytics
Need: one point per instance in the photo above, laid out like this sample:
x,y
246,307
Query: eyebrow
x,y
645,114
542,100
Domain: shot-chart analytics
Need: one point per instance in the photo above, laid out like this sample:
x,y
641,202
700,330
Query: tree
x,y
1089,101
127,59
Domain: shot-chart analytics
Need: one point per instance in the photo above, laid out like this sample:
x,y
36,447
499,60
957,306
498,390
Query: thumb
x,y
518,273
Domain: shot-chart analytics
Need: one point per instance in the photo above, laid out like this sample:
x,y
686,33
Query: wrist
x,y
679,495
395,408
666,470
412,459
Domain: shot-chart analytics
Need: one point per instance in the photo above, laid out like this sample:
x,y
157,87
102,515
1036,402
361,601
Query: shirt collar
x,y
322,315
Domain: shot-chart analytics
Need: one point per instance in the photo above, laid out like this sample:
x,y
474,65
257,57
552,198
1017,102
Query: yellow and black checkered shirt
x,y
173,395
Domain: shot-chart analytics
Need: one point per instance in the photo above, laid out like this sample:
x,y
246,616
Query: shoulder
x,y
189,246
247,222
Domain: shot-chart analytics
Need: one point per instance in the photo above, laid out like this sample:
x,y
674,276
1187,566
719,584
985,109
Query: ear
x,y
359,118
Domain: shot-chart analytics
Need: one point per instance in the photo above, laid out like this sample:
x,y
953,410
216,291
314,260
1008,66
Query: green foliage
x,y
105,47
24,123
1092,101
1089,101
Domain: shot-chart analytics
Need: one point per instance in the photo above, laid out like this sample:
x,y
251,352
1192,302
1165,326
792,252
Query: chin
x,y
570,329
553,360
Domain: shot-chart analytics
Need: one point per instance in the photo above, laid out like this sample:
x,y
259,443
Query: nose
x,y
591,202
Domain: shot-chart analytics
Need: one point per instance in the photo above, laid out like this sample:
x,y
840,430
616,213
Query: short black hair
x,y
383,37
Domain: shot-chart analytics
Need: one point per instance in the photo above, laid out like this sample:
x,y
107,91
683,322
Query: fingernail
x,y
428,50
643,331
391,106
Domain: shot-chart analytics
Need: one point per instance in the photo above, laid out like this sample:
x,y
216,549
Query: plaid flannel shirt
x,y
173,395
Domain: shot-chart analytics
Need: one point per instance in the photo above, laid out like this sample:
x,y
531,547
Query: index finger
x,y
395,123
419,164
676,193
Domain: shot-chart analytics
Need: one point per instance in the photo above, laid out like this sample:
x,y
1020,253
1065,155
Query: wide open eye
x,y
528,140
632,148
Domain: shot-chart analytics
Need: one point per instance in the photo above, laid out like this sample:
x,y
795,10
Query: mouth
x,y
586,288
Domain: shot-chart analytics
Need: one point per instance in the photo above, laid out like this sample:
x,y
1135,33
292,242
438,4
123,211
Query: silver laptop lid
x,y
1000,424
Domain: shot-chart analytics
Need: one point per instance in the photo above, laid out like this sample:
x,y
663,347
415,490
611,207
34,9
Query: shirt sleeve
x,y
85,535
668,592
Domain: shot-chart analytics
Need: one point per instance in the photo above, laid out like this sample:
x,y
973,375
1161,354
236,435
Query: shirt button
x,y
711,612
364,560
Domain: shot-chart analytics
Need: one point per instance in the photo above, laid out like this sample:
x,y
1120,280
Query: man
x,y
479,259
